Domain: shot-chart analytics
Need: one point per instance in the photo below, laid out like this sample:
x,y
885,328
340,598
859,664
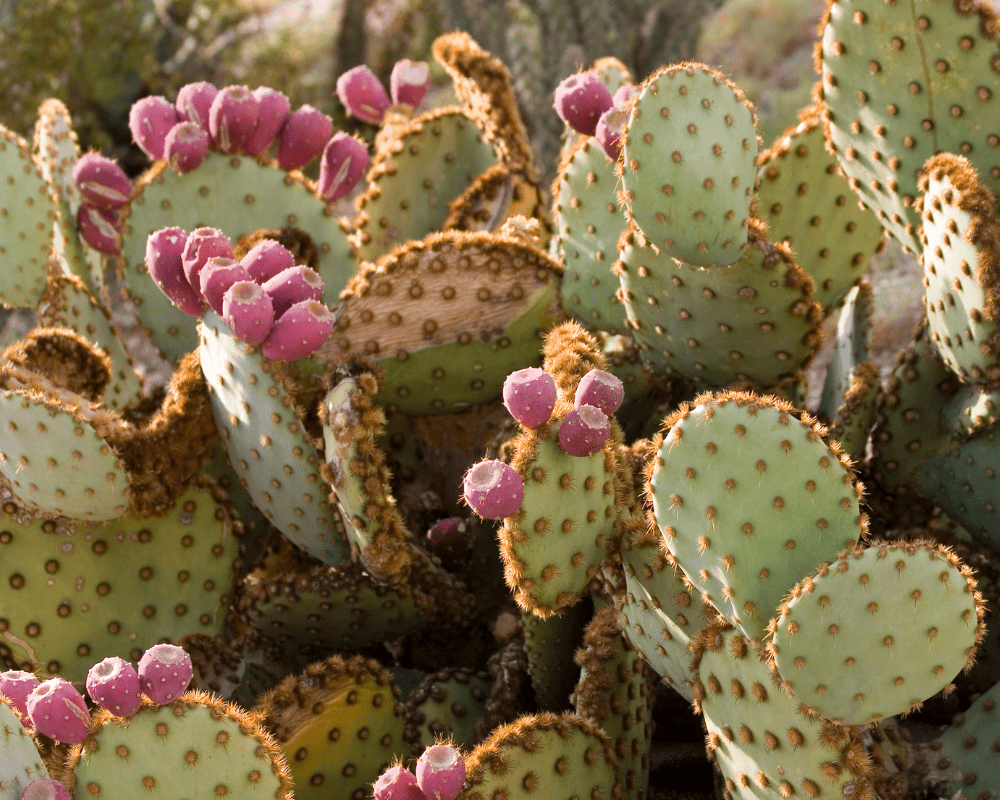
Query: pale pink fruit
x,y
584,431
194,100
267,259
98,227
45,789
299,331
201,245
529,395
363,95
164,673
273,109
303,137
580,100
610,127
248,312
292,286
186,147
101,182
218,274
409,82
150,120
397,783
440,772
343,165
59,711
232,118
601,389
114,684
164,249
493,489
16,685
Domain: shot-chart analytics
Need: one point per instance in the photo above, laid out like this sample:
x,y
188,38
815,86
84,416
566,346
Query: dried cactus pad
x,y
20,762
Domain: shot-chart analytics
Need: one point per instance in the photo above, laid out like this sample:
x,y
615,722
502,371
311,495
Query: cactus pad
x,y
20,762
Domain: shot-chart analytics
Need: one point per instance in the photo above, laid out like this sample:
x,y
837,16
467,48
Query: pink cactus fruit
x,y
529,395
397,783
114,684
201,245
232,118
217,276
625,94
59,711
600,389
164,249
273,109
363,95
409,82
610,127
292,286
440,772
99,228
16,685
493,489
450,540
580,100
299,331
248,312
342,166
186,147
164,673
45,789
302,139
584,431
194,100
150,119
101,182
265,260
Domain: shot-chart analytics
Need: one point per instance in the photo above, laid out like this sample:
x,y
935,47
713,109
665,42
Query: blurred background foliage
x,y
99,56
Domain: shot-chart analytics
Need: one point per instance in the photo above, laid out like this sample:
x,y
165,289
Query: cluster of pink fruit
x,y
56,709
440,775
492,488
264,298
363,95
584,103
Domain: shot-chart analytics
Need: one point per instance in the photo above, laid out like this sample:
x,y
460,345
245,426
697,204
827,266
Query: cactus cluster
x,y
462,488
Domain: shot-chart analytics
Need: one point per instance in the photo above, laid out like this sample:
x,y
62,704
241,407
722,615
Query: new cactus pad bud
x,y
164,673
194,101
164,249
409,82
267,259
610,127
580,100
397,783
232,118
98,227
363,95
530,396
600,389
101,182
201,245
150,120
341,167
186,147
16,685
299,331
293,285
493,489
248,312
217,276
114,684
440,772
303,137
273,109
59,711
584,431
45,789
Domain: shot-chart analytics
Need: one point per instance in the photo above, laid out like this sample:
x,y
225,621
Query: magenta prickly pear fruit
x,y
397,783
580,100
292,286
150,120
185,147
45,789
16,685
609,131
493,489
232,118
450,540
273,109
99,228
164,673
266,260
363,95
530,396
248,312
302,139
299,331
114,684
584,431
164,250
409,82
625,94
201,245
194,100
218,274
600,389
59,711
101,182
440,772
343,164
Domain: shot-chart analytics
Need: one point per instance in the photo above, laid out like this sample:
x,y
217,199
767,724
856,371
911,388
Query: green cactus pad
x,y
278,463
856,415
88,592
20,762
410,188
961,260
196,747
26,216
446,706
854,326
749,498
969,748
901,82
757,736
237,195
752,321
838,638
807,203
689,164
551,644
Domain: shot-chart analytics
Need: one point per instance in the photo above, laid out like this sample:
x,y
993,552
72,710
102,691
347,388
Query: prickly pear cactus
x,y
20,762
